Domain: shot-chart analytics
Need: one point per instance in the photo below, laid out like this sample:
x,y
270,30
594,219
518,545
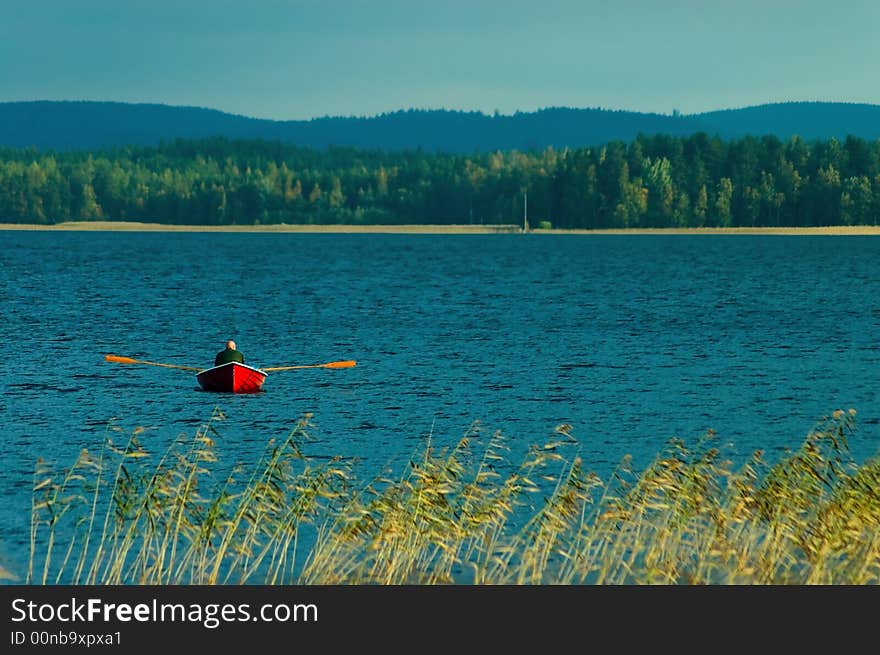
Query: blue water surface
x,y
631,340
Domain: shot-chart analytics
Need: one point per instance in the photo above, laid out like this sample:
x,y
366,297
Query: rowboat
x,y
232,377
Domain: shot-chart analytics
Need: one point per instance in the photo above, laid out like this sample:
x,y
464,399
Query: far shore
x,y
122,226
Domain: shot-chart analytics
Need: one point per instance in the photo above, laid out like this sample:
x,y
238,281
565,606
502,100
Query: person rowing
x,y
230,354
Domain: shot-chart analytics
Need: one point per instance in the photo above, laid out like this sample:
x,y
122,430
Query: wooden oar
x,y
346,364
129,360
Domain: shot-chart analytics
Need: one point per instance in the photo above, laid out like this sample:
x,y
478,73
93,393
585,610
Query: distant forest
x,y
651,181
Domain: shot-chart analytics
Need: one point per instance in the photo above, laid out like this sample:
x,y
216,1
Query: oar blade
x,y
120,360
346,364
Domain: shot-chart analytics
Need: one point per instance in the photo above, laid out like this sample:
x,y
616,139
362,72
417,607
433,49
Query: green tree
x,y
315,194
856,200
701,207
722,206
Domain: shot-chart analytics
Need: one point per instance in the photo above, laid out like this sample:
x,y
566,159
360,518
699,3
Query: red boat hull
x,y
232,377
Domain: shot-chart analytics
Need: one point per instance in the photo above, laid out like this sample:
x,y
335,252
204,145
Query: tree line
x,y
651,181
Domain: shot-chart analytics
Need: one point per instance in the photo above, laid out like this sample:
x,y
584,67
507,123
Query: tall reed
x,y
469,514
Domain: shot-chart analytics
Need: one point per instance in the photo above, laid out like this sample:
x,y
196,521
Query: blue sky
x,y
290,59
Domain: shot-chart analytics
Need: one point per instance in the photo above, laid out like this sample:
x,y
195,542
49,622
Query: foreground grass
x,y
465,515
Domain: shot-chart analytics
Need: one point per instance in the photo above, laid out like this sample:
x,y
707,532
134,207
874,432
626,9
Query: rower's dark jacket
x,y
228,355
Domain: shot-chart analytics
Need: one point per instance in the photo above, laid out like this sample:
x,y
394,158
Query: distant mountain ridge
x,y
87,125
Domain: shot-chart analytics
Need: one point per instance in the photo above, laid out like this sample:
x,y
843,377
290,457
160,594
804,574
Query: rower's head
x,y
230,344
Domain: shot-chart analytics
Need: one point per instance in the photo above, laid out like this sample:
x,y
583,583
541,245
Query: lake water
x,y
630,339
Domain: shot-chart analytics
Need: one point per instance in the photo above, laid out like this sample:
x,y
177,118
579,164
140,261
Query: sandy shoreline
x,y
113,226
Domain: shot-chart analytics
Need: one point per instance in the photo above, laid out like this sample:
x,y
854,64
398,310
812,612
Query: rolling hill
x,y
85,125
